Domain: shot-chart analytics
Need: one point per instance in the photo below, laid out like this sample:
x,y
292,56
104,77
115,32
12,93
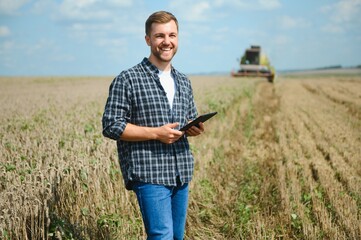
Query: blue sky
x,y
103,37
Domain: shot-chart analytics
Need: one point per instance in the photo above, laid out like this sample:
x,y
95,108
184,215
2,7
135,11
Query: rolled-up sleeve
x,y
117,108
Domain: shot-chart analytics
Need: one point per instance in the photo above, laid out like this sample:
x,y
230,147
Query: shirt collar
x,y
149,66
152,68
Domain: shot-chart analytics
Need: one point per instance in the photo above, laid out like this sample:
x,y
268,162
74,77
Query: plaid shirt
x,y
136,96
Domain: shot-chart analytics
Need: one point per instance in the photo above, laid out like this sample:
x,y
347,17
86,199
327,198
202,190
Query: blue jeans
x,y
164,209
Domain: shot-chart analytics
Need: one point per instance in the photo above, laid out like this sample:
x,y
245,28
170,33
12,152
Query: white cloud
x,y
233,3
62,57
281,40
6,46
288,22
210,48
7,58
95,19
198,12
114,47
44,6
106,42
95,27
91,9
269,4
120,3
249,5
347,10
194,12
333,28
4,31
11,6
80,3
83,31
40,46
82,10
342,15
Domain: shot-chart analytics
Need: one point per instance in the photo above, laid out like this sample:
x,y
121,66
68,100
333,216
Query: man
x,y
147,104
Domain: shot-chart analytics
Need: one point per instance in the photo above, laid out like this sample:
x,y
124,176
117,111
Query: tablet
x,y
195,122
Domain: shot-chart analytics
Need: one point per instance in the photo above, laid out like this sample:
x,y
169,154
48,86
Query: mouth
x,y
166,49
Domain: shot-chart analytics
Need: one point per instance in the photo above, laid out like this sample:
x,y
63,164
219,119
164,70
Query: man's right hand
x,y
168,134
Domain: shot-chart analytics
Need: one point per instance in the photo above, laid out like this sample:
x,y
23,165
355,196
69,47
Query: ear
x,y
147,39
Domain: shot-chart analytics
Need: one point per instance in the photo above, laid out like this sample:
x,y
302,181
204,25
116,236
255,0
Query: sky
x,y
104,37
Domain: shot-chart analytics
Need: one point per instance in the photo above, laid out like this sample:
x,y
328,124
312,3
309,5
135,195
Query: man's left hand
x,y
195,131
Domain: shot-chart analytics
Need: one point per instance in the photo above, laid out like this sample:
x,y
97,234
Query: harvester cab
x,y
254,63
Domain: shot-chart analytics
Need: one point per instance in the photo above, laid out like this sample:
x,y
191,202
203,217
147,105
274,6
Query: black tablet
x,y
201,118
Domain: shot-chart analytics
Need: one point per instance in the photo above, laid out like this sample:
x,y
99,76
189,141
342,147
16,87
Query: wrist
x,y
152,132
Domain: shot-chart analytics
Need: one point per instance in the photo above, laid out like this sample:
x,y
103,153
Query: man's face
x,y
163,41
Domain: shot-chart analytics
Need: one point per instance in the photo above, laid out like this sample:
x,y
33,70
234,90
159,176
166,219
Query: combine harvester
x,y
254,63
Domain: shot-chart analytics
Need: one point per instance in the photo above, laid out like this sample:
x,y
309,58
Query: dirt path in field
x,y
242,180
266,106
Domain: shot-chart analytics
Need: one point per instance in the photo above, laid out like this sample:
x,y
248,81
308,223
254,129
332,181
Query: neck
x,y
163,66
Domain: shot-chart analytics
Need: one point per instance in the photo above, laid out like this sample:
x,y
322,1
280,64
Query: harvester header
x,y
254,63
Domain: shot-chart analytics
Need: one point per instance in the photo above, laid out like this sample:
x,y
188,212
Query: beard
x,y
163,56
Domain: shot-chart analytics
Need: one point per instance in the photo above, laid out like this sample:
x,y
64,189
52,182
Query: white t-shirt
x,y
168,84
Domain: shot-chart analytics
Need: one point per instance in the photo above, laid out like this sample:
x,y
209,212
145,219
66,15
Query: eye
x,y
159,36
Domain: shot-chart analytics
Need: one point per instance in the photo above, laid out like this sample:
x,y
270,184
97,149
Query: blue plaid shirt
x,y
136,96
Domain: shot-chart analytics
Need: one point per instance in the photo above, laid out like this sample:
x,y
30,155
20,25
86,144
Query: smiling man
x,y
146,106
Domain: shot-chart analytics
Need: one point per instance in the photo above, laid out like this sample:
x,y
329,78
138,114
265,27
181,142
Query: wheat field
x,y
280,161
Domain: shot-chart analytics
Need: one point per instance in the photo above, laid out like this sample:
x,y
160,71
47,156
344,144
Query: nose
x,y
166,40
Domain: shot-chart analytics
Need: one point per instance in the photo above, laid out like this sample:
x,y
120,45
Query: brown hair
x,y
159,17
